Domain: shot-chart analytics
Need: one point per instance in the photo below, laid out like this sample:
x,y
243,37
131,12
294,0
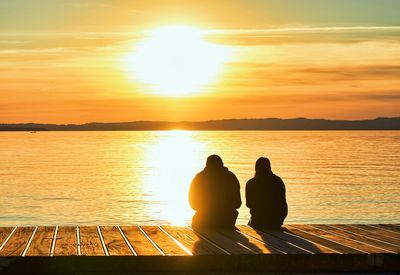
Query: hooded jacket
x,y
266,198
215,195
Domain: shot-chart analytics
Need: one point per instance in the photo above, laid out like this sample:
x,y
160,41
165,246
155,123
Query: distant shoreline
x,y
300,124
199,130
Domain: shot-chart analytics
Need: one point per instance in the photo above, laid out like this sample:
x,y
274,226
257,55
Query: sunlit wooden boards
x,y
312,247
170,240
41,242
17,241
181,241
89,240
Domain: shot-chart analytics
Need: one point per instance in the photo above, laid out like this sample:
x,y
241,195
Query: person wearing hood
x,y
215,195
266,197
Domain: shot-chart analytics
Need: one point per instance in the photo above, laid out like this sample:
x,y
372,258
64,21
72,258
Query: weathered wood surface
x,y
360,247
90,241
301,242
272,241
256,245
165,243
383,246
391,227
314,247
378,230
4,234
369,233
191,240
17,242
66,241
224,243
140,242
41,242
172,240
114,242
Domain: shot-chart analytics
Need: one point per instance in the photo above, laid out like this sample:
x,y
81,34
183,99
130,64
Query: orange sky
x,y
68,61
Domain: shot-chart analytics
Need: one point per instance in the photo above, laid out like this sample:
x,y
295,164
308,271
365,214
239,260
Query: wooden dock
x,y
114,249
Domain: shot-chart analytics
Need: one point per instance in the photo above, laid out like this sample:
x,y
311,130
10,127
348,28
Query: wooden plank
x,y
192,241
340,239
139,241
114,241
41,242
301,242
367,233
391,227
4,234
66,242
225,243
18,241
257,246
379,231
387,228
379,246
163,241
272,241
366,238
334,245
90,241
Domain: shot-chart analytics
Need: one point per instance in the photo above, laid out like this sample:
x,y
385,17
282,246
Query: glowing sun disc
x,y
176,60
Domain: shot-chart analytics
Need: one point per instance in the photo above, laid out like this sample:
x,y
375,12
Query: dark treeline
x,y
20,128
226,124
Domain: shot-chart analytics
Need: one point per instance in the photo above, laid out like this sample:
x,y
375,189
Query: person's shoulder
x,y
225,170
278,180
199,175
229,172
251,181
232,174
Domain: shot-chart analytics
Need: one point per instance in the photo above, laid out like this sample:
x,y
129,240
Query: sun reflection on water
x,y
172,161
142,177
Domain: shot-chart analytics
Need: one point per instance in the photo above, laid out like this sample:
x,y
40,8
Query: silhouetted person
x,y
266,197
215,195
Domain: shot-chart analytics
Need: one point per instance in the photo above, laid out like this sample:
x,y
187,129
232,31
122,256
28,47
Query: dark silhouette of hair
x,y
266,197
263,166
214,161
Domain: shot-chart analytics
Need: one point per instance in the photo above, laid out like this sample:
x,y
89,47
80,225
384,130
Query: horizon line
x,y
201,121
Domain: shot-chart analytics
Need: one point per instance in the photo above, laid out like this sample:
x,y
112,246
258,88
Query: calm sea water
x,y
143,177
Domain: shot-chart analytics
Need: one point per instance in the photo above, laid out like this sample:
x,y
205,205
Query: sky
x,y
77,61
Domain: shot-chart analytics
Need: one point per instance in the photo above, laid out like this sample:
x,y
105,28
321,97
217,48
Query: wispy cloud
x,y
50,34
243,31
35,51
14,42
275,69
292,35
306,29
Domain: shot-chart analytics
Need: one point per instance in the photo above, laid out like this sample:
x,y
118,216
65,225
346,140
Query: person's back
x,y
266,197
215,195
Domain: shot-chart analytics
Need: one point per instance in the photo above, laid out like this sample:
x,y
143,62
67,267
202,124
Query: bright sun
x,y
176,60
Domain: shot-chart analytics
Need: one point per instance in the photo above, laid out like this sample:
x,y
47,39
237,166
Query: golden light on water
x,y
176,61
173,160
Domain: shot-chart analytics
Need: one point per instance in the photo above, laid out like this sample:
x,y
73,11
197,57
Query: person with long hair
x,y
266,197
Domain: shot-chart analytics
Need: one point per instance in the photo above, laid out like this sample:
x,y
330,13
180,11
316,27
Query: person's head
x,y
263,166
214,162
